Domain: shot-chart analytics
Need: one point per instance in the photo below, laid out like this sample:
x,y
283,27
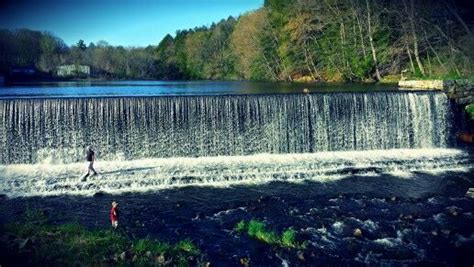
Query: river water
x,y
191,159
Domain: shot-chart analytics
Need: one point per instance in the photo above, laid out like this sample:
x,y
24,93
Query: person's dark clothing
x,y
90,155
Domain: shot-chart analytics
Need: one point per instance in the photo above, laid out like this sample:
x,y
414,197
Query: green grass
x,y
259,230
142,246
73,245
240,226
188,247
288,238
446,76
390,79
470,110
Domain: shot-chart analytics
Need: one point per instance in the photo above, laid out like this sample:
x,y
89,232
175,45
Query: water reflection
x,y
153,88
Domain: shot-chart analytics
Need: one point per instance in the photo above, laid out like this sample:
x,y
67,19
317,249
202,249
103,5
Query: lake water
x,y
192,159
166,88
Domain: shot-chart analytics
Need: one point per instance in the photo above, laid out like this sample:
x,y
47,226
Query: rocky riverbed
x,y
375,219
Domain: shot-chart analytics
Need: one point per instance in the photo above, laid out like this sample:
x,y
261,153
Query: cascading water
x,y
202,126
147,143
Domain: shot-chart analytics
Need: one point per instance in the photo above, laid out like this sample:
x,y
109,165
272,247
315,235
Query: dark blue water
x,y
403,221
166,88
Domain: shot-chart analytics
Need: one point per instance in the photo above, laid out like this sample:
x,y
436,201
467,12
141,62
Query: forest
x,y
285,40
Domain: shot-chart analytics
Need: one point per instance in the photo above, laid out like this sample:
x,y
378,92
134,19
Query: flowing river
x,y
191,159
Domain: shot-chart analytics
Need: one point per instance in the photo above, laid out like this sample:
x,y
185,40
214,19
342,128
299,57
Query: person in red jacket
x,y
114,215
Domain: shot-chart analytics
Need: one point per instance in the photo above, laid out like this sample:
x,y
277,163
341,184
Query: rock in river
x,y
470,193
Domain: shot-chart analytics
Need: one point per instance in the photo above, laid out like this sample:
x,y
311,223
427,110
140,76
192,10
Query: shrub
x,y
240,226
258,230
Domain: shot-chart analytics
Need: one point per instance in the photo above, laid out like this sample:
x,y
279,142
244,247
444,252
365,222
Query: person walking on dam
x,y
90,157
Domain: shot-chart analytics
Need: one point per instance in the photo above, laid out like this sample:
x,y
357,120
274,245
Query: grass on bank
x,y
470,110
259,230
35,242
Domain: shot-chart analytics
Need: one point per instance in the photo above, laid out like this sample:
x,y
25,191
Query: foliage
x,y
258,230
240,226
331,40
470,110
187,246
288,238
72,244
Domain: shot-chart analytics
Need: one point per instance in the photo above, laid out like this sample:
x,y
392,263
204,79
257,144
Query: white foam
x,y
161,173
370,225
388,242
440,218
338,227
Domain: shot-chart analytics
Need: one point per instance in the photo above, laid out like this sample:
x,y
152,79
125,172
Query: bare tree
x,y
371,41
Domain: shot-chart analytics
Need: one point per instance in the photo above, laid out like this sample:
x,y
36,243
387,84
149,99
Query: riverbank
x,y
449,86
32,241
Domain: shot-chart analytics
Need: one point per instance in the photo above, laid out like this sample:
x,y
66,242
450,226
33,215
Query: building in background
x,y
73,70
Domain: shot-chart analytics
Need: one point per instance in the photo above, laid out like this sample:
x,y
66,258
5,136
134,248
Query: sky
x,y
119,22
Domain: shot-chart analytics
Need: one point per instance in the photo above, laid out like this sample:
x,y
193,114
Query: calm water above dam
x,y
191,159
167,88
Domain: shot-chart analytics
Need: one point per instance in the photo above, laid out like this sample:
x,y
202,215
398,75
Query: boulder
x,y
446,231
466,137
468,98
453,210
123,255
25,243
300,255
470,193
245,262
357,232
99,194
160,259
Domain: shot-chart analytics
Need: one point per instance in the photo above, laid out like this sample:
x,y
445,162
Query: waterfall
x,y
129,128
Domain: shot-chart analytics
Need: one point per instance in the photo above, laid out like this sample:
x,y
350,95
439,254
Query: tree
x,y
329,40
81,45
371,40
51,50
246,46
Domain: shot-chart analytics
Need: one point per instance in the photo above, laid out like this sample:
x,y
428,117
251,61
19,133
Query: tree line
x,y
46,52
285,40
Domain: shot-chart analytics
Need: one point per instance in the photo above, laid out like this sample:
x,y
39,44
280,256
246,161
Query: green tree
x,y
81,45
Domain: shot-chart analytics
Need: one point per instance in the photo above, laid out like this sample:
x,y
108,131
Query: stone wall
x,y
461,91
